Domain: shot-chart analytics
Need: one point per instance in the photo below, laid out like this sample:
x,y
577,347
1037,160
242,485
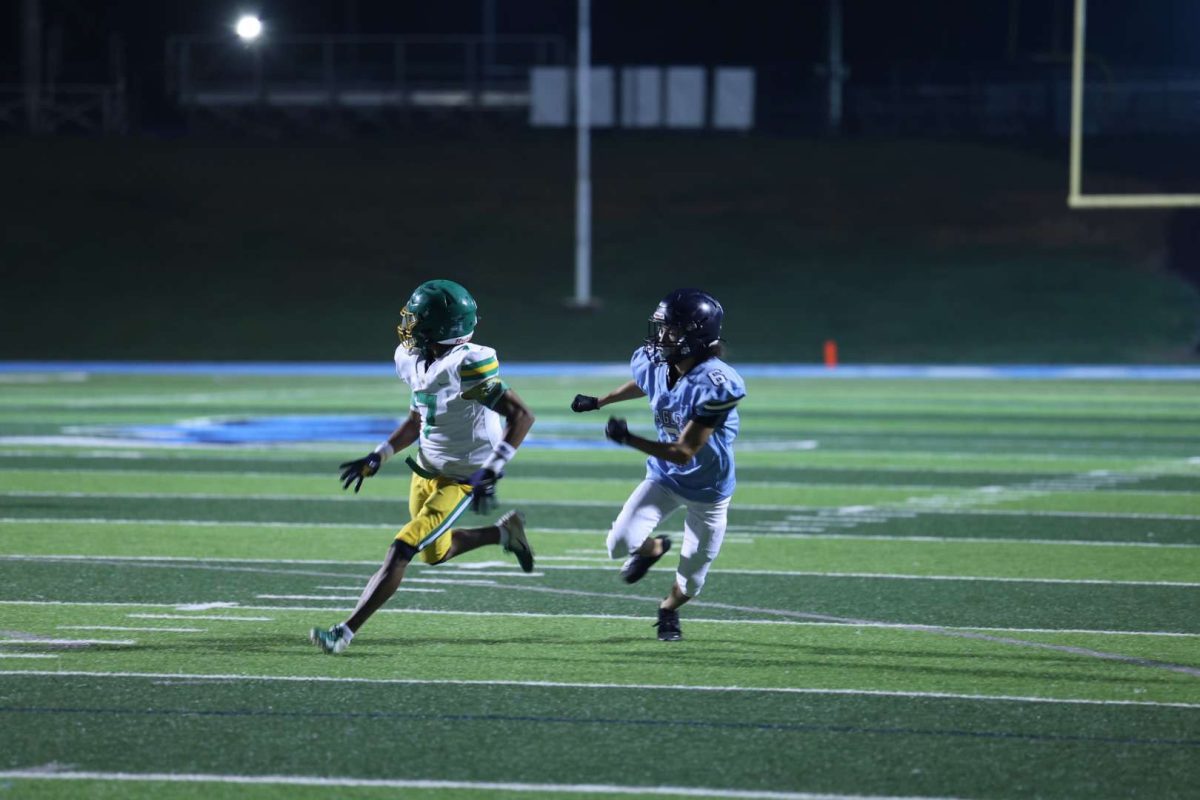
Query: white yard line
x,y
592,481
478,569
74,441
954,500
197,616
28,655
1048,484
127,628
68,447
908,577
448,581
1007,512
786,532
729,539
479,786
204,523
650,687
774,529
603,617
69,642
330,598
339,598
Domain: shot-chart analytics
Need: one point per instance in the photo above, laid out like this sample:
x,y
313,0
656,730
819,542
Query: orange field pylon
x,y
831,353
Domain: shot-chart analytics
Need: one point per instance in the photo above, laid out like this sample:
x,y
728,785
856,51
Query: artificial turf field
x,y
928,589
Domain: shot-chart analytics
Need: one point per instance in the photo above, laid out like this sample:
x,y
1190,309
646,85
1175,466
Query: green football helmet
x,y
439,312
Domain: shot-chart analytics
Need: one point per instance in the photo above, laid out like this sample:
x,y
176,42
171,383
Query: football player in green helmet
x,y
468,425
440,312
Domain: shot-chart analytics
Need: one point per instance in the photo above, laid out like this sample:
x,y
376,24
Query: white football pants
x,y
703,530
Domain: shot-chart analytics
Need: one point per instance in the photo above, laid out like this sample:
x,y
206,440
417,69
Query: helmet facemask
x,y
411,339
686,324
667,343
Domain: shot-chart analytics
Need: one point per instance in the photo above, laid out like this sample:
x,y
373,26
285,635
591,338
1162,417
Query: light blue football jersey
x,y
710,393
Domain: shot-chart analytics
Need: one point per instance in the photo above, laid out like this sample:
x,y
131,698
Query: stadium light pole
x,y
249,28
488,26
836,68
583,160
31,61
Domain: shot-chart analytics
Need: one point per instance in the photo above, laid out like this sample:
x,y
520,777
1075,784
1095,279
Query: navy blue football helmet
x,y
686,323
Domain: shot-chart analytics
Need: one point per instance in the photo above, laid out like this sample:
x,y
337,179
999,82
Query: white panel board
x,y
603,97
733,98
685,97
641,97
549,97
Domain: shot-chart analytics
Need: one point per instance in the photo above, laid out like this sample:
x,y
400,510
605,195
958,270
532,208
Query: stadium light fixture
x,y
248,27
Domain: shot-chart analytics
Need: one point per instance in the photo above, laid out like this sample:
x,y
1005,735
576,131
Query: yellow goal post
x,y
1075,197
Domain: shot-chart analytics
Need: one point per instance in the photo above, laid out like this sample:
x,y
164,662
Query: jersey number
x,y
717,377
429,401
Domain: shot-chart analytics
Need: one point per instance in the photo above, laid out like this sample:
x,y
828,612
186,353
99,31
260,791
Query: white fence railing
x,y
64,108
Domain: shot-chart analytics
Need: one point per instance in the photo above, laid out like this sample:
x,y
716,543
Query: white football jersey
x,y
454,396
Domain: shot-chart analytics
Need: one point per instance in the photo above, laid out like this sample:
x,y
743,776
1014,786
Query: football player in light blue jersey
x,y
694,396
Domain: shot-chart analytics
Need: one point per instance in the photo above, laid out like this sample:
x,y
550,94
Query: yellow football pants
x,y
435,504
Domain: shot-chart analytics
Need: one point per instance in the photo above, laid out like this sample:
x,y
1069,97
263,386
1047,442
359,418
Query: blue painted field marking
x,y
305,428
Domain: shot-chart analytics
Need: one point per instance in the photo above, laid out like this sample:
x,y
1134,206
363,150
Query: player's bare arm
x,y
626,391
693,437
406,433
518,418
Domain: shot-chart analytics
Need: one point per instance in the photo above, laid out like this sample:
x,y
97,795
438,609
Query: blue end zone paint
x,y
259,430
1118,372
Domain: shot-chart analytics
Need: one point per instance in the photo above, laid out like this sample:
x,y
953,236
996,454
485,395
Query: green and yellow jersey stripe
x,y
479,370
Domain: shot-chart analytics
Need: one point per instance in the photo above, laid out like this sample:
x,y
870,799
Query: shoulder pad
x,y
404,361
477,363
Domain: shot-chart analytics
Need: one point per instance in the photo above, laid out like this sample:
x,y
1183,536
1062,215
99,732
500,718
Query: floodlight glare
x,y
248,28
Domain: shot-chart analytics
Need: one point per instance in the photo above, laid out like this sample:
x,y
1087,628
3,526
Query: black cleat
x,y
668,626
636,567
512,526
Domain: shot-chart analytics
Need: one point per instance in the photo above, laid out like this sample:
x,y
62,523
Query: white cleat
x,y
332,641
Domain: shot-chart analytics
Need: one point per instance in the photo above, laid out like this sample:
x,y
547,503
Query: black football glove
x,y
483,490
617,430
584,402
354,471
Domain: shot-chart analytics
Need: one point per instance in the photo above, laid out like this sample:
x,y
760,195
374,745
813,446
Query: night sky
x,y
937,36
